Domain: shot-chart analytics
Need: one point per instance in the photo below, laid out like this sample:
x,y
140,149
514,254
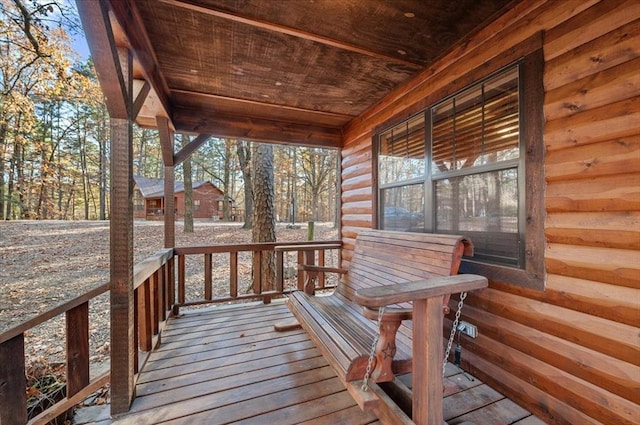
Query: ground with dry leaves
x,y
45,263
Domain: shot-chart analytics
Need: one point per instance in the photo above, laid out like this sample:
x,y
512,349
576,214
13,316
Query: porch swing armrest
x,y
376,297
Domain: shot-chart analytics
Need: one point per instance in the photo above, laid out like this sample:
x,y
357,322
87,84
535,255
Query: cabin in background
x,y
148,199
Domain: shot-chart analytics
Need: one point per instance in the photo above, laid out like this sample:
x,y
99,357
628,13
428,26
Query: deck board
x,y
227,365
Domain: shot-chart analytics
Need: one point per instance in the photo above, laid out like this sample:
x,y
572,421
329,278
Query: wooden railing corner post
x,y
13,404
77,323
427,361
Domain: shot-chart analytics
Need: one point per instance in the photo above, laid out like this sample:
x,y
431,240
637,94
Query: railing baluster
x,y
162,295
233,271
13,399
207,277
300,273
170,295
154,302
77,322
320,282
136,329
181,279
144,316
280,271
257,272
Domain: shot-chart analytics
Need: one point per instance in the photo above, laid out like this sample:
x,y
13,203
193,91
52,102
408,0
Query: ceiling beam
x,y
128,17
94,15
260,130
289,31
249,102
193,145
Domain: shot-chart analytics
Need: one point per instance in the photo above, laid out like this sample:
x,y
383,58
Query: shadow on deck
x,y
227,365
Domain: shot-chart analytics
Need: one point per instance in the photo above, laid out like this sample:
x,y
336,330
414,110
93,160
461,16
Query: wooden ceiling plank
x,y
128,16
94,15
166,140
140,98
190,148
289,31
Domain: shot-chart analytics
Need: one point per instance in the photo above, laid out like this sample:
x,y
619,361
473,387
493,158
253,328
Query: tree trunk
x,y
264,218
244,158
188,190
3,132
226,213
102,141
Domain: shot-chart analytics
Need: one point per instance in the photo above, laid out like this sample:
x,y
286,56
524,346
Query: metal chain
x,y
453,332
372,352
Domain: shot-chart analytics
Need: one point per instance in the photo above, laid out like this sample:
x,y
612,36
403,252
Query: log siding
x,y
569,353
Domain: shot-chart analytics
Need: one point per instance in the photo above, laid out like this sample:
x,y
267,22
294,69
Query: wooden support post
x,y
427,361
13,404
166,143
117,84
169,208
77,323
121,250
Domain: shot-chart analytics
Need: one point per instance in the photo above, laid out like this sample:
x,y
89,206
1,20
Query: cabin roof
x,y
154,188
278,71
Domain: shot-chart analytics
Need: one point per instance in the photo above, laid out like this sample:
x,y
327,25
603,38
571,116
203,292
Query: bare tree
x,y
244,158
226,213
188,190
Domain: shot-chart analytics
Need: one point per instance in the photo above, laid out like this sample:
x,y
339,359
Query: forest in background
x,y
54,134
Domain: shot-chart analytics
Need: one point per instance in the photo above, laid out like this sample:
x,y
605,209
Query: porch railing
x,y
257,286
155,290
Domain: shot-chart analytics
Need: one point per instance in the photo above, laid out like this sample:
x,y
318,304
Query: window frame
x,y
531,163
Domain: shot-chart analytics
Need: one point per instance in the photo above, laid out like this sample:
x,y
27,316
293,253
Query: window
x,y
464,166
476,169
196,204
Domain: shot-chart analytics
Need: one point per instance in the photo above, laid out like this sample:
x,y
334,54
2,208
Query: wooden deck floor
x,y
228,365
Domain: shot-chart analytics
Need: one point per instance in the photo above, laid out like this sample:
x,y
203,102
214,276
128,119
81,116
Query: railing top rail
x,y
49,314
258,246
143,270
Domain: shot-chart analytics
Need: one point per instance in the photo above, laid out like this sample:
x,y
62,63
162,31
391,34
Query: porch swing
x,y
365,331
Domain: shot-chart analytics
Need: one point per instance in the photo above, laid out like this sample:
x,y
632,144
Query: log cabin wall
x,y
571,352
